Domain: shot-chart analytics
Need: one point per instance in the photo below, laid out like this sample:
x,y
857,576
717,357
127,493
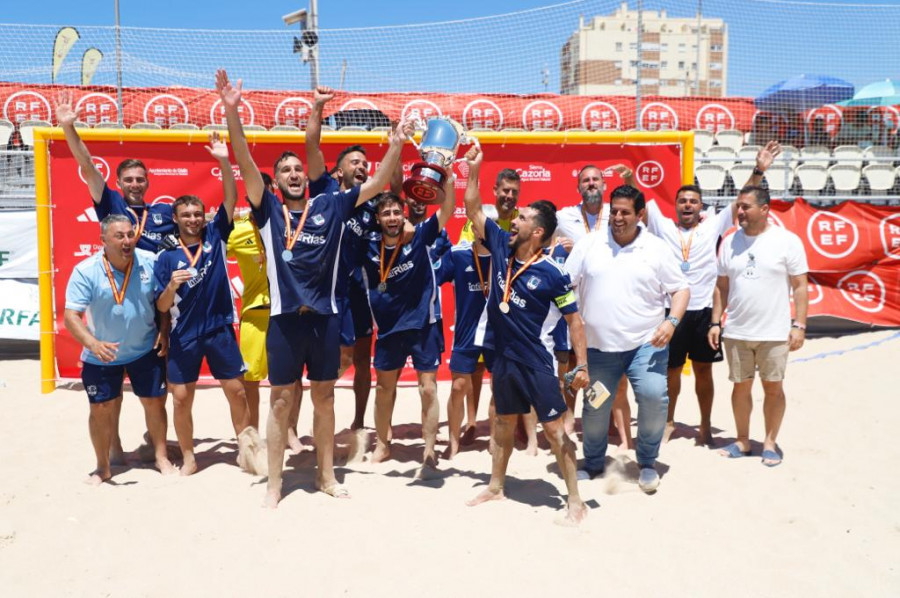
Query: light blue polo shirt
x,y
135,329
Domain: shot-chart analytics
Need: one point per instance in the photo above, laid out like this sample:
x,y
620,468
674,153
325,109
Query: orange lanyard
x,y
587,228
142,220
686,248
484,288
511,278
192,258
289,239
383,271
118,294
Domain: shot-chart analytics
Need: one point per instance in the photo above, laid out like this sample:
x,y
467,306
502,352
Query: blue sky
x,y
768,40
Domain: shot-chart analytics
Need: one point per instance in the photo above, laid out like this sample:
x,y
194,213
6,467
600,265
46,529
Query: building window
x,y
664,64
680,65
664,47
618,64
618,46
715,66
681,47
633,64
715,48
715,83
618,82
632,46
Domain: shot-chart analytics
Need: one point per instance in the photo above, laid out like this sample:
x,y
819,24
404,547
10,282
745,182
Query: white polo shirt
x,y
622,291
570,222
759,270
700,245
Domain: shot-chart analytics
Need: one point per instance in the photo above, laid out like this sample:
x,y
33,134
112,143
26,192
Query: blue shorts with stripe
x,y
296,341
423,345
219,347
147,374
518,387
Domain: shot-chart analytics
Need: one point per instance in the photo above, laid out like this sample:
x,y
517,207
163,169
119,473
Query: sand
x,y
824,523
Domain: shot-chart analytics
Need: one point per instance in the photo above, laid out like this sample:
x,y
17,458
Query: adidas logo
x,y
552,413
180,265
470,269
89,215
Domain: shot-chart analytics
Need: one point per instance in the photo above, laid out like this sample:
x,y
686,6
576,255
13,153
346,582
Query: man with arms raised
x,y
622,275
529,293
302,240
758,267
192,284
115,288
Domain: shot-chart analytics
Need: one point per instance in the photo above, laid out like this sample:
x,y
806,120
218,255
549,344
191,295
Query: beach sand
x,y
824,523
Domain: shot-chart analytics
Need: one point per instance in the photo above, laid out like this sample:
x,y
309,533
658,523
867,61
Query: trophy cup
x,y
440,143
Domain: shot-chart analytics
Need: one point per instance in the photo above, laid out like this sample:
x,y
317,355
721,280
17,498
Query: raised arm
x,y
66,116
315,159
764,158
219,150
472,198
448,206
231,99
376,183
626,173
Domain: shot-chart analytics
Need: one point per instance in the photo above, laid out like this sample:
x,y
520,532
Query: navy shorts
x,y
464,361
423,345
297,341
348,334
359,309
220,347
146,373
561,336
690,340
518,387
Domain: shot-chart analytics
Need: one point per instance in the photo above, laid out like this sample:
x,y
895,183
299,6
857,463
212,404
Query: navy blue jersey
x,y
309,278
458,267
203,303
360,229
539,297
159,217
408,302
561,331
324,184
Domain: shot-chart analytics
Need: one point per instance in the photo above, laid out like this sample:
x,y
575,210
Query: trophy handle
x,y
467,140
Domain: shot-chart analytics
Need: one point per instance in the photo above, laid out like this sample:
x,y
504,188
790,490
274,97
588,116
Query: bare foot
x,y
189,466
273,497
667,433
429,469
468,437
97,477
381,453
293,443
704,437
575,514
485,496
165,467
334,490
450,452
359,444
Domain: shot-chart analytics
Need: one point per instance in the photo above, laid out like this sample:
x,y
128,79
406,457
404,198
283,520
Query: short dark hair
x,y
691,188
284,156
759,194
544,216
629,192
348,150
507,174
186,200
386,198
129,163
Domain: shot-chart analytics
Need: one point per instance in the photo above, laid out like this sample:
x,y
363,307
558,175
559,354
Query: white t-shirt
x,y
622,290
570,222
700,245
758,270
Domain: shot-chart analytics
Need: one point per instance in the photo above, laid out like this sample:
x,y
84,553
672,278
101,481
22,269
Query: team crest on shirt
x,y
206,247
533,283
145,276
406,249
318,220
366,217
157,218
436,265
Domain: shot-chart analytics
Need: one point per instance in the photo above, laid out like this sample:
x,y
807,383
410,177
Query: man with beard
x,y
506,196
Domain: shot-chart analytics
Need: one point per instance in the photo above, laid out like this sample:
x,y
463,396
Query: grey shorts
x,y
746,357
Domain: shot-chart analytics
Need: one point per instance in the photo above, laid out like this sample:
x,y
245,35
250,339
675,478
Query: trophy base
x,y
425,183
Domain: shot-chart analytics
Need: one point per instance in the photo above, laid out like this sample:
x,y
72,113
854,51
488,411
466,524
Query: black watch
x,y
757,171
711,324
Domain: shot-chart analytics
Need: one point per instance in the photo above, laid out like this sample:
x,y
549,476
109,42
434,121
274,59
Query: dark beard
x,y
287,195
592,198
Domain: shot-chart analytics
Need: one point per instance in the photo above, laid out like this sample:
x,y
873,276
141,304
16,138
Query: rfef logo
x,y
890,236
657,116
482,114
419,111
832,235
359,104
97,108
864,290
542,115
600,116
814,290
102,167
293,111
26,105
245,112
886,118
831,116
715,118
650,173
166,110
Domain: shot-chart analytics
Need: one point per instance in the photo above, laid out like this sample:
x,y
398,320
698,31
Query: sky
x,y
802,37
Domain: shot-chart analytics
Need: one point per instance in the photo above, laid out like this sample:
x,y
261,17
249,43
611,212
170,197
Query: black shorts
x,y
689,339
518,387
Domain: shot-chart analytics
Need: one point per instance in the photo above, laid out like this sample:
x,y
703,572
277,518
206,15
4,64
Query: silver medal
x,y
192,271
504,307
685,266
286,255
382,287
118,310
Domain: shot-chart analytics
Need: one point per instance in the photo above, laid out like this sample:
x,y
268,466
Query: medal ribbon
x,y
289,239
385,271
511,278
118,294
587,228
192,259
139,222
686,248
484,288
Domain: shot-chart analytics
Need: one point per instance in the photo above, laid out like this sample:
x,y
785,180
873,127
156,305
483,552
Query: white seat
x,y
146,126
108,125
881,178
731,138
741,173
816,154
215,127
780,178
748,153
710,177
878,154
845,177
353,128
80,124
813,178
848,154
703,140
26,130
327,128
255,128
6,131
285,128
380,129
722,156
184,127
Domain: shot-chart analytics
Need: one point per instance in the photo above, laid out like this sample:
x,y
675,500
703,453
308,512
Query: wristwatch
x,y
757,171
714,324
799,325
673,320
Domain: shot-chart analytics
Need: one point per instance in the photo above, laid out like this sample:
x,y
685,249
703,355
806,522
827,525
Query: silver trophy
x,y
438,149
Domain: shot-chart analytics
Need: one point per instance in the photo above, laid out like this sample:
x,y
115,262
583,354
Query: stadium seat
x,y
740,174
255,128
748,153
881,178
146,126
780,178
722,156
215,127
381,129
703,140
80,124
730,138
848,154
327,127
813,178
576,130
878,154
845,178
513,130
816,154
791,154
710,177
108,125
353,128
184,127
6,131
26,130
285,128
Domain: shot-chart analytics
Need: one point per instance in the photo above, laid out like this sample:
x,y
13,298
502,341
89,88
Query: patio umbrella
x,y
880,93
803,92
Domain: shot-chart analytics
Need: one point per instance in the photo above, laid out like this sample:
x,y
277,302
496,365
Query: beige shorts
x,y
745,357
254,325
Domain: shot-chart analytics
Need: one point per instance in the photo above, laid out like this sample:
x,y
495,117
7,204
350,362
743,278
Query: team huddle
x,y
592,298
